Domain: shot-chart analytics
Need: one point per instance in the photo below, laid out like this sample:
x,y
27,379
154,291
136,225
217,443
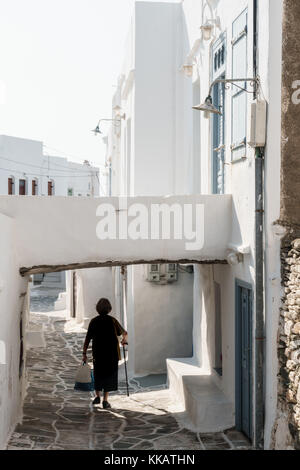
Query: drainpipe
x,y
259,301
259,273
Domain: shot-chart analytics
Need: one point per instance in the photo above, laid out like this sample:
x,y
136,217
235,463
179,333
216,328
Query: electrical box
x,y
258,123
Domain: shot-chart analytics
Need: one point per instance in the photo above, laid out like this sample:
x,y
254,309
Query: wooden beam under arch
x,y
26,271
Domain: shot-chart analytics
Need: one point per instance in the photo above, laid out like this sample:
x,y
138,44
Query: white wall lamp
x,y
208,27
208,106
188,69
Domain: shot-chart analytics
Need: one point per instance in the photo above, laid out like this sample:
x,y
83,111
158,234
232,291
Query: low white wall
x,y
13,304
163,321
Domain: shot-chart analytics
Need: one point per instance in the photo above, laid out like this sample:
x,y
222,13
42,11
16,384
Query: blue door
x,y
243,333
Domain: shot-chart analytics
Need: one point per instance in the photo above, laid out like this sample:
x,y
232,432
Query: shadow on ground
x,y
57,417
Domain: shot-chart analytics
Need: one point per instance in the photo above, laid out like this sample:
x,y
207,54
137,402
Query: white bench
x,y
205,404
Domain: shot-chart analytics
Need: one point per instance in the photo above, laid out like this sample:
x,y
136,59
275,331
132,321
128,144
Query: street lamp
x,y
97,128
208,106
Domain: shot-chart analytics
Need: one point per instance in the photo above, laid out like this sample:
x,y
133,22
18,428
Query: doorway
x,y
243,358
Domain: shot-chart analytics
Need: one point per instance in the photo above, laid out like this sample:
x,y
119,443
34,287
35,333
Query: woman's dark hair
x,y
103,306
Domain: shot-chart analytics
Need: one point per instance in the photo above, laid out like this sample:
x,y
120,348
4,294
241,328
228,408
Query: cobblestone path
x,y
57,417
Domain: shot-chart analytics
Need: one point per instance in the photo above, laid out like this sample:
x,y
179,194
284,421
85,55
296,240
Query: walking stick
x,y
126,369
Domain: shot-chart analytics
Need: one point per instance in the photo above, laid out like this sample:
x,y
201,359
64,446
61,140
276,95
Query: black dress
x,y
104,330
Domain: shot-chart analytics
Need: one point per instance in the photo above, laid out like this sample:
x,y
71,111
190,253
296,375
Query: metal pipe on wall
x,y
259,271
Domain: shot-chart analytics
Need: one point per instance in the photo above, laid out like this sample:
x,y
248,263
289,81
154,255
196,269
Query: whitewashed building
x,y
26,170
159,145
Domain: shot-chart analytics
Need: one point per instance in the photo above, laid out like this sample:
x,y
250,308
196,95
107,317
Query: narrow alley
x,y
55,417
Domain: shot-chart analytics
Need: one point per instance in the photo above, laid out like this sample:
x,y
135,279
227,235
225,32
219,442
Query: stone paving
x,y
55,417
42,299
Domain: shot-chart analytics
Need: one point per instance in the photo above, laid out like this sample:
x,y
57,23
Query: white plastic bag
x,y
83,374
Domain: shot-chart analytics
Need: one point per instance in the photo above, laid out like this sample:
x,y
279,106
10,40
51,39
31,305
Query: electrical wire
x,y
43,168
68,154
45,174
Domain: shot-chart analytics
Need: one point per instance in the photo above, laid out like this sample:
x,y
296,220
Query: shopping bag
x,y
84,379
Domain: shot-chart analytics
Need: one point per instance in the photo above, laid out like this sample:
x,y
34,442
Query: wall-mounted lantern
x,y
208,106
97,128
187,69
207,30
208,27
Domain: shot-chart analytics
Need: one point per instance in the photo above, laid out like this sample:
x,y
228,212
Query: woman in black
x,y
104,331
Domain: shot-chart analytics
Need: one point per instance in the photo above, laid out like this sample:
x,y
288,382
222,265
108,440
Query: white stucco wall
x,y
162,326
155,103
92,285
272,15
13,301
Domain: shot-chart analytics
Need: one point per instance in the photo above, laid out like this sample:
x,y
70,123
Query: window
x,y
22,187
239,97
50,188
11,185
195,172
34,187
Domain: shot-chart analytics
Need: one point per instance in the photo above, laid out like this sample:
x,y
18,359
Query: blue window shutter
x,y
218,128
239,97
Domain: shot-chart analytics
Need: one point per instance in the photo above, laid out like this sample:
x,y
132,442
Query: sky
x,y
59,63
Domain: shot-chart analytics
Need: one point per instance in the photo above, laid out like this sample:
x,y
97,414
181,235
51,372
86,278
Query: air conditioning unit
x,y
153,273
258,123
171,272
